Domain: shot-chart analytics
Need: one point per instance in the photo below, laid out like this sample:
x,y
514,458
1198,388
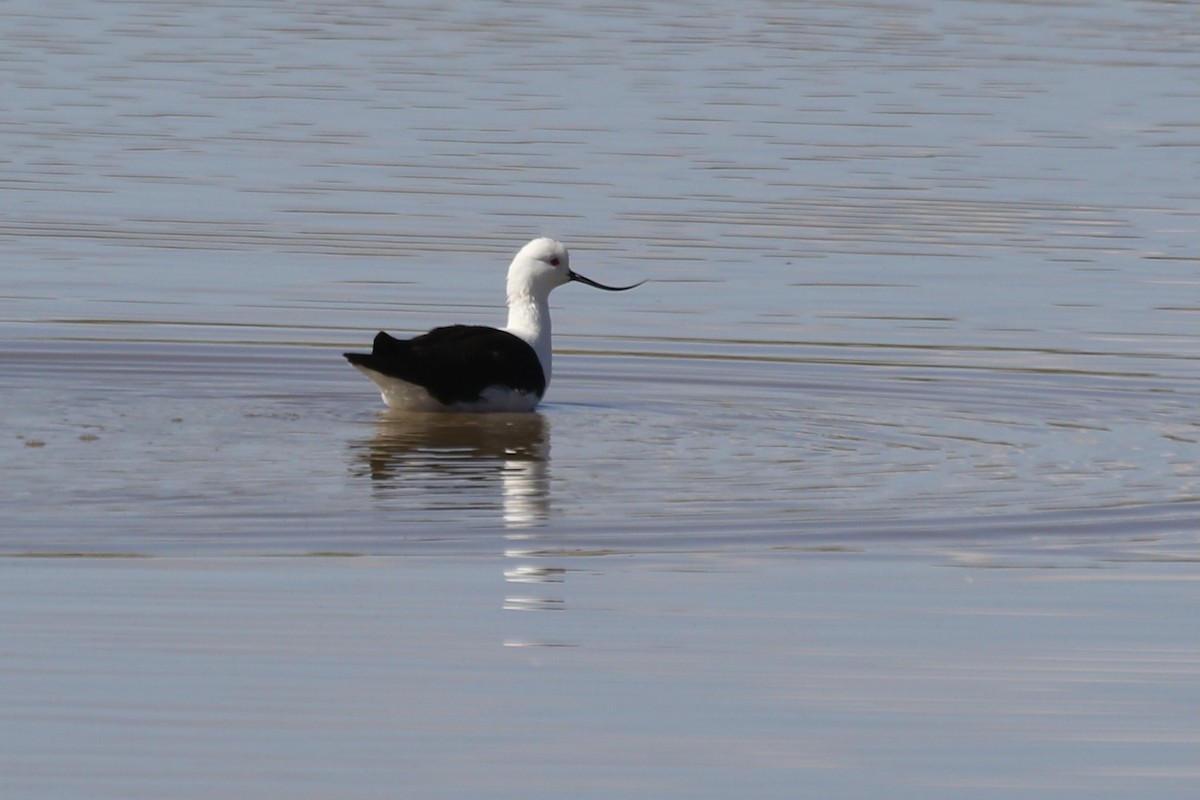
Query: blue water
x,y
922,304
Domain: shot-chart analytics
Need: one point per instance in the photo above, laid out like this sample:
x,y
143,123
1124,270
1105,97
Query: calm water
x,y
924,291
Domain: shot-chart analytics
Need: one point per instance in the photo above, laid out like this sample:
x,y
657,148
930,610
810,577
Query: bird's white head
x,y
539,267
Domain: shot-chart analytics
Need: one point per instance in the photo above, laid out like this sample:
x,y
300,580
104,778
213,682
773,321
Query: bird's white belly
x,y
405,396
502,398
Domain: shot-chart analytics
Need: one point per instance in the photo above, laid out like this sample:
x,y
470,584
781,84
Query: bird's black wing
x,y
456,363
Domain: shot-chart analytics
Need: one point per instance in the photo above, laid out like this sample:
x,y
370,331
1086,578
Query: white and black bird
x,y
474,367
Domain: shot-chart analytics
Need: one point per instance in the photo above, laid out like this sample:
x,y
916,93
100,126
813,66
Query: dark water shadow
x,y
458,461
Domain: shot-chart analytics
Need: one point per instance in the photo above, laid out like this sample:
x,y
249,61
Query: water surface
x,y
886,482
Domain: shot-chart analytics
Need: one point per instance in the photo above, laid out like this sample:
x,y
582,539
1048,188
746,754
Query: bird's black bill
x,y
575,276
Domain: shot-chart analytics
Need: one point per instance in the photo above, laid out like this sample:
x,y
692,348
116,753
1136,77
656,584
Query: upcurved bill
x,y
575,276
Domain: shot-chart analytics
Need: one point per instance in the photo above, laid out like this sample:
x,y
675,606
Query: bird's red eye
x,y
554,262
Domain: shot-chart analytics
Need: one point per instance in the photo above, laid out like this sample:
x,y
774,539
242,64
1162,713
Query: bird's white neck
x,y
529,319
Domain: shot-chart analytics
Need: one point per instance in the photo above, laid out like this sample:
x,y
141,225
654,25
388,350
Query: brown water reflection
x,y
163,448
442,460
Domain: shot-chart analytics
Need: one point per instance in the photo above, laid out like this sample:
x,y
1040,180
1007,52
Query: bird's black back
x,y
456,363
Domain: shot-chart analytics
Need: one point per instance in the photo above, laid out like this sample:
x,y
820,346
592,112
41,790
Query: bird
x,y
476,368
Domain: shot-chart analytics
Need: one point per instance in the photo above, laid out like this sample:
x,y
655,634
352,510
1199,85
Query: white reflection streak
x,y
530,576
526,496
527,573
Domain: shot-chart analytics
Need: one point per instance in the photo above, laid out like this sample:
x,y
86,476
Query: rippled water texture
x,y
885,484
916,269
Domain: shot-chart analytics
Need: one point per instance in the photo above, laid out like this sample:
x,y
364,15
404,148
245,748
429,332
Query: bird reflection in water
x,y
451,461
